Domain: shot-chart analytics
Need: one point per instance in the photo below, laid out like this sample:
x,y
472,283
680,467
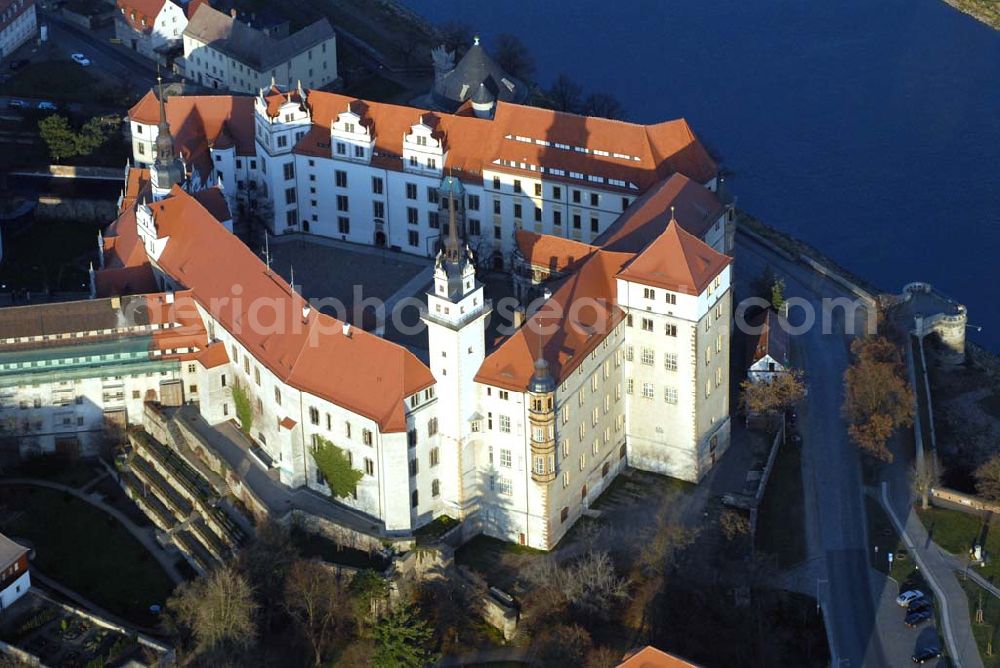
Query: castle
x,y
616,228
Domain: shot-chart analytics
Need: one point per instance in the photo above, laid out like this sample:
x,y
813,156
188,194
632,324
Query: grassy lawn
x,y
987,633
488,557
60,80
435,529
781,518
957,532
87,551
882,532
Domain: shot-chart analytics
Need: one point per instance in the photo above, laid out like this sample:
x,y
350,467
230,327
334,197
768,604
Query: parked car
x,y
81,59
926,654
916,618
918,605
908,597
46,106
17,104
18,64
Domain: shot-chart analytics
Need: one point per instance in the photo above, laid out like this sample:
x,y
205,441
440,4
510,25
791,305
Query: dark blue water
x,y
870,128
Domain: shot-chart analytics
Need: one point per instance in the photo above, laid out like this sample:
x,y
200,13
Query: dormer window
x,y
421,140
289,118
348,127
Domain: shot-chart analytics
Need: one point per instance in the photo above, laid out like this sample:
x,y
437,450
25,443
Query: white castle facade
x,y
624,361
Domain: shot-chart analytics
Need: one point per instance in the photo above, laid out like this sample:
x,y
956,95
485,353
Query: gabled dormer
x,y
352,135
424,148
283,118
146,226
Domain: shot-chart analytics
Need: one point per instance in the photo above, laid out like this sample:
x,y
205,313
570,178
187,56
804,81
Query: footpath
x,y
936,566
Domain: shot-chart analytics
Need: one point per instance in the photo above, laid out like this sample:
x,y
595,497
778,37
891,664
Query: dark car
x,y
18,64
919,605
927,654
916,618
17,104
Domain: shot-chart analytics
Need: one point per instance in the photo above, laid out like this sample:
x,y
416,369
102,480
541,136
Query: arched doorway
x,y
380,238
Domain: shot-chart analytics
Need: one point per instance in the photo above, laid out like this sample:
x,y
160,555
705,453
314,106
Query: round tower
x,y
542,418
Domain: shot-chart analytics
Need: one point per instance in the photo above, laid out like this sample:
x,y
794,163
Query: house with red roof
x,y
153,28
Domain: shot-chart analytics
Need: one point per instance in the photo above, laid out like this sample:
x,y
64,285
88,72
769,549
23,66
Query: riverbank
x,y
987,11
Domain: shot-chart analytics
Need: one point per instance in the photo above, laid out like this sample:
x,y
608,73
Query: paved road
x,y
112,60
831,468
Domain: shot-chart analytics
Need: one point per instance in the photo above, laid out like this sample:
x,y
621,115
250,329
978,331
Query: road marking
x,y
949,638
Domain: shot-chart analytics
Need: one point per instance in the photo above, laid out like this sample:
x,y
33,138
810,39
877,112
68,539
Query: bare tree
x,y
604,105
455,37
591,585
565,94
988,479
219,609
316,599
513,57
266,561
734,523
562,645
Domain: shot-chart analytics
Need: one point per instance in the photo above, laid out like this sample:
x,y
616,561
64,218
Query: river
x,y
869,129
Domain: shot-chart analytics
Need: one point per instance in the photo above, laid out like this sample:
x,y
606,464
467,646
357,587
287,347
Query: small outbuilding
x,y
769,355
14,578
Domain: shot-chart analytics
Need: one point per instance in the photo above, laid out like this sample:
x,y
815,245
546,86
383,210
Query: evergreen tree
x,y
401,640
59,137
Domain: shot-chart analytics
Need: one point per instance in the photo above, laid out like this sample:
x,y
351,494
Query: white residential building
x,y
220,51
153,28
18,24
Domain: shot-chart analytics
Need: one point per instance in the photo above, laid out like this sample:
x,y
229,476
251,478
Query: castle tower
x,y
542,418
168,168
456,336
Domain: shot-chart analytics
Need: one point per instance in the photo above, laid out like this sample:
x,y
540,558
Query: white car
x,y
47,106
908,597
80,59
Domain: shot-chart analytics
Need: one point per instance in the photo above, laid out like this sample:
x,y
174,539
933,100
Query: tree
x,y
590,585
453,607
370,592
877,398
218,609
401,640
244,409
778,294
604,105
924,479
562,645
770,287
565,94
988,479
513,57
455,37
734,523
91,137
267,561
59,137
781,392
315,599
341,477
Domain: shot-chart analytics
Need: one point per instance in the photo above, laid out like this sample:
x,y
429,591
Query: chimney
x,y
305,313
170,297
518,316
232,12
347,329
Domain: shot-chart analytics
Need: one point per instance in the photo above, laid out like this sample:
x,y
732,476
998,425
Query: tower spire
x,y
452,251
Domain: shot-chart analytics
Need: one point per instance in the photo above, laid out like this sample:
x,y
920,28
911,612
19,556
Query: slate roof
x,y
478,77
248,45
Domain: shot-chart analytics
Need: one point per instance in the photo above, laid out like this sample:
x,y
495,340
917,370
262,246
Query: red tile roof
x,y
695,207
199,121
650,657
134,11
546,250
359,371
574,321
678,261
214,355
215,202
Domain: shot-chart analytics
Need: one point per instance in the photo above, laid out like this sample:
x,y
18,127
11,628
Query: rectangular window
x,y
517,210
671,330
671,298
517,185
648,356
289,170
557,217
289,195
342,203
594,225
378,209
670,361
473,202
434,457
496,183
505,486
433,195
576,221
369,467
647,325
414,238
647,391
412,216
473,227
411,191
378,186
343,225
496,206
340,177
366,436
505,424
649,293
506,460
595,199
670,395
